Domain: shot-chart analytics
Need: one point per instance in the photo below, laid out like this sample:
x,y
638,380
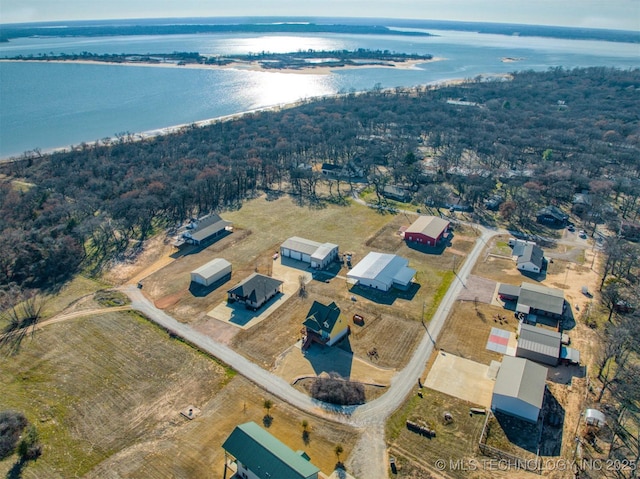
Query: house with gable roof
x,y
254,291
257,454
324,324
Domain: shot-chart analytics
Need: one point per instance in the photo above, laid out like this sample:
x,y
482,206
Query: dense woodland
x,y
537,139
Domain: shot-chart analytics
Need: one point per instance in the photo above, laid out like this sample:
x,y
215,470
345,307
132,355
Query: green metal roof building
x,y
259,455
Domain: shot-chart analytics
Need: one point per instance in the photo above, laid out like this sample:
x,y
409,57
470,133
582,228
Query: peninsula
x,y
313,60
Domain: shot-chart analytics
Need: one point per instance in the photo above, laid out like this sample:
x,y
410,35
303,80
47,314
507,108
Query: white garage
x,y
211,272
519,389
318,255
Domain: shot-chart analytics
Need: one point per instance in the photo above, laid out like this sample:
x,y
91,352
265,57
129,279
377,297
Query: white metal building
x,y
382,271
519,388
318,255
211,272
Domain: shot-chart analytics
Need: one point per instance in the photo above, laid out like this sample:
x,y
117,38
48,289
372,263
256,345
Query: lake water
x,y
50,105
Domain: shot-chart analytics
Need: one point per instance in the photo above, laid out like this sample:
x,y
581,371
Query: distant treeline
x,y
73,30
302,25
535,140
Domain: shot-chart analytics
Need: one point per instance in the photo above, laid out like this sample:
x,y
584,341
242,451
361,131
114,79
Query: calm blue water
x,y
49,105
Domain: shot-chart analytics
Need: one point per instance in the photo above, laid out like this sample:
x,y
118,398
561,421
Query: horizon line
x,y
309,19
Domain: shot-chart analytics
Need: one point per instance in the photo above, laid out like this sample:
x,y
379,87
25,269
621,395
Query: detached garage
x,y
318,255
211,272
519,389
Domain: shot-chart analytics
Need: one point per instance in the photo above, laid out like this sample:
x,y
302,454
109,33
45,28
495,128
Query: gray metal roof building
x,y
319,255
519,388
207,227
539,344
541,299
531,259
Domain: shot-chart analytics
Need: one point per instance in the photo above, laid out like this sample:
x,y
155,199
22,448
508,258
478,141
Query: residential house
x,y
254,291
324,324
204,229
534,299
552,216
396,193
531,259
257,454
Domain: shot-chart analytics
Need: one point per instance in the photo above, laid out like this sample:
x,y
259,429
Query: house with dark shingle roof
x,y
553,216
324,325
254,291
259,455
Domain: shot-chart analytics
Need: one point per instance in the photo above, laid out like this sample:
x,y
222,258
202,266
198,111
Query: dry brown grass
x,y
416,455
105,394
260,226
466,331
195,449
96,386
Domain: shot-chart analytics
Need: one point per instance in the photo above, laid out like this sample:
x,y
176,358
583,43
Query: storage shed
x,y
519,388
593,417
213,271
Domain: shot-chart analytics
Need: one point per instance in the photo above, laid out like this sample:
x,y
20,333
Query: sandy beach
x,y
150,134
250,66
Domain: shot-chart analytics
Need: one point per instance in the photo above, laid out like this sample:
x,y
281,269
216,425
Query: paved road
x,y
368,459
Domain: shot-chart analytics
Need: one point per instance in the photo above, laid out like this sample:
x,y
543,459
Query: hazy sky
x,y
616,14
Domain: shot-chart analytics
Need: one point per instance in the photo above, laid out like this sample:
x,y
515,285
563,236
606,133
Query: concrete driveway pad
x,y
461,378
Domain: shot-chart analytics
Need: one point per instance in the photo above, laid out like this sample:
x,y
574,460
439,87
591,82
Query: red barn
x,y
427,230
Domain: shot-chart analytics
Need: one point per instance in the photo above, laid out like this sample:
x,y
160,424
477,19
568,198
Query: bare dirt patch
x,y
154,255
318,359
467,330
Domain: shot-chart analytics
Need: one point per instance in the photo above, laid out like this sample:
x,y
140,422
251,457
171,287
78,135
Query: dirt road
x,y
369,459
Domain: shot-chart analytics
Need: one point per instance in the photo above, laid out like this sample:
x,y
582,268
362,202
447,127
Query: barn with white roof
x,y
382,271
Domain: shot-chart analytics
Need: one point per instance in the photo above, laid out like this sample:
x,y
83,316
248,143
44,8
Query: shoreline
x,y
239,65
168,130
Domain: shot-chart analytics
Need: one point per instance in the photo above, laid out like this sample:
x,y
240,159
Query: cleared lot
x,y
468,327
106,393
392,321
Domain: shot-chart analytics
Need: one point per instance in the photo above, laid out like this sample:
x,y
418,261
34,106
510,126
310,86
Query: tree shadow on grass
x,y
16,470
267,420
